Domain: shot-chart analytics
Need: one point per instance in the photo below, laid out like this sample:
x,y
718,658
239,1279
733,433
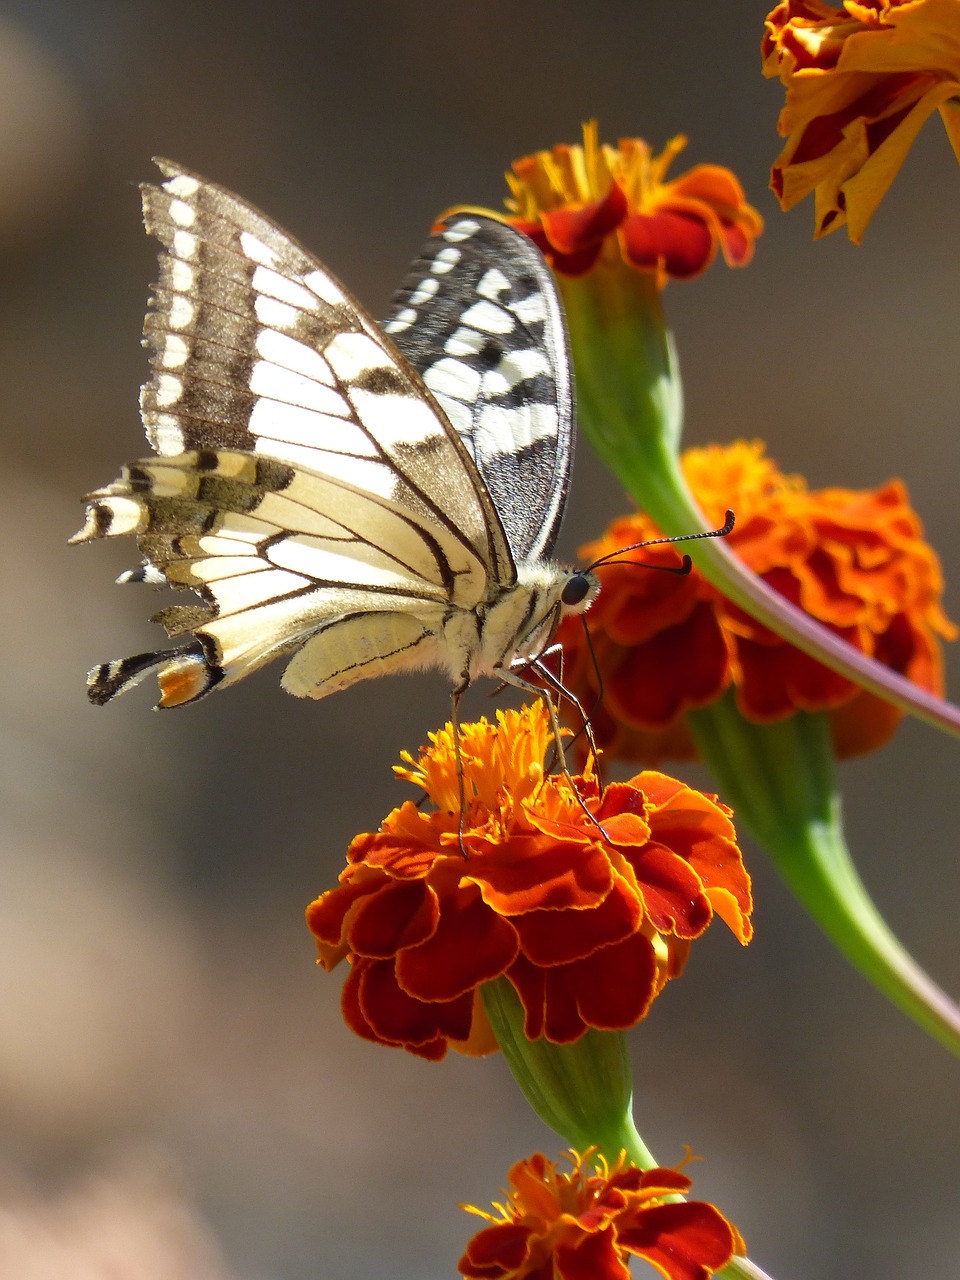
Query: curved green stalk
x,y
742,1269
779,778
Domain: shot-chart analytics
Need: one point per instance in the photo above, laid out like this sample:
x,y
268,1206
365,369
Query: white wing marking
x,y
488,317
280,349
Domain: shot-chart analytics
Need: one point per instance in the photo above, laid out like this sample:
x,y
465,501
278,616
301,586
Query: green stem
x,y
742,1269
629,393
780,780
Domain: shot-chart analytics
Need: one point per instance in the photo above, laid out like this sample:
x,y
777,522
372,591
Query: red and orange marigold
x,y
587,915
587,1225
861,79
594,203
854,560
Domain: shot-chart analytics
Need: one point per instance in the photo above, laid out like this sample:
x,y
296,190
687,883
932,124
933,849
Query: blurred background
x,y
175,1080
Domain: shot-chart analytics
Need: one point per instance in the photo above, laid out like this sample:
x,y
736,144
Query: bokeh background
x,y
175,1081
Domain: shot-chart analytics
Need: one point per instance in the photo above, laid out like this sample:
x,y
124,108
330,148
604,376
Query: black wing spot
x,y
381,382
490,354
274,475
102,518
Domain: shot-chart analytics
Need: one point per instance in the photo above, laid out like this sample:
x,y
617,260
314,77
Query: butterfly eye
x,y
575,589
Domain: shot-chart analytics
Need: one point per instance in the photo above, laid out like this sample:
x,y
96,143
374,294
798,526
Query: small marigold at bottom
x,y
588,915
586,1225
854,560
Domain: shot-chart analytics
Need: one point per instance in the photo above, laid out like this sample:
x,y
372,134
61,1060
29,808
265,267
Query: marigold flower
x,y
586,1225
581,204
588,918
860,80
856,561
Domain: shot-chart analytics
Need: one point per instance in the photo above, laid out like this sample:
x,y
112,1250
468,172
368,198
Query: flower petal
x,y
470,945
396,1018
614,987
683,1241
496,1251
593,1257
535,873
401,914
671,242
546,937
572,229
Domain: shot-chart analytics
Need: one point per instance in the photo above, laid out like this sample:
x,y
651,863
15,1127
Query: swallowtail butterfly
x,y
358,499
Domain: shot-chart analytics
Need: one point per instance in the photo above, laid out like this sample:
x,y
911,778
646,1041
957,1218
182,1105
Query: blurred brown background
x,y
160,1008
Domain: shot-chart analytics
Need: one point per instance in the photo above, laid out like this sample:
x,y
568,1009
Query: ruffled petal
x,y
860,83
593,1257
396,1018
470,945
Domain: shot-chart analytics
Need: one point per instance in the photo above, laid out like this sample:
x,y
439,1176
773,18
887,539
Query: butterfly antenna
x,y
686,563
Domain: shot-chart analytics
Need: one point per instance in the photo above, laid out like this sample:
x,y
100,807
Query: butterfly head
x,y
545,594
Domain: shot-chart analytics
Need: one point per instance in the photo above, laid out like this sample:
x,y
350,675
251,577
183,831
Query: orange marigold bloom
x,y
856,561
860,81
587,1225
587,921
581,204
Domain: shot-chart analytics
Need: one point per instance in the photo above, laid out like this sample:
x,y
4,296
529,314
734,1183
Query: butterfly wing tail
x,y
185,674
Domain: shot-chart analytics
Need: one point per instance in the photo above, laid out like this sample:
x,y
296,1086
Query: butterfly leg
x,y
455,697
518,682
555,681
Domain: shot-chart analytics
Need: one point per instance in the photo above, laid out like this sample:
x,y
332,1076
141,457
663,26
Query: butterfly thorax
x,y
516,626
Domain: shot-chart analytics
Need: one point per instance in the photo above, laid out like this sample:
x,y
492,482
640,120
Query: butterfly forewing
x,y
478,315
257,347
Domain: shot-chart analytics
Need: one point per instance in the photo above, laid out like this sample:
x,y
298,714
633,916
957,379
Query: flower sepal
x,y
583,1091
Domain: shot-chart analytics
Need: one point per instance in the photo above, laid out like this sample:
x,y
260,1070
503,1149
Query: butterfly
x,y
358,499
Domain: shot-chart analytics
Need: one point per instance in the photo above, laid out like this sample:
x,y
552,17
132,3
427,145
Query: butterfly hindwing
x,y
478,315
